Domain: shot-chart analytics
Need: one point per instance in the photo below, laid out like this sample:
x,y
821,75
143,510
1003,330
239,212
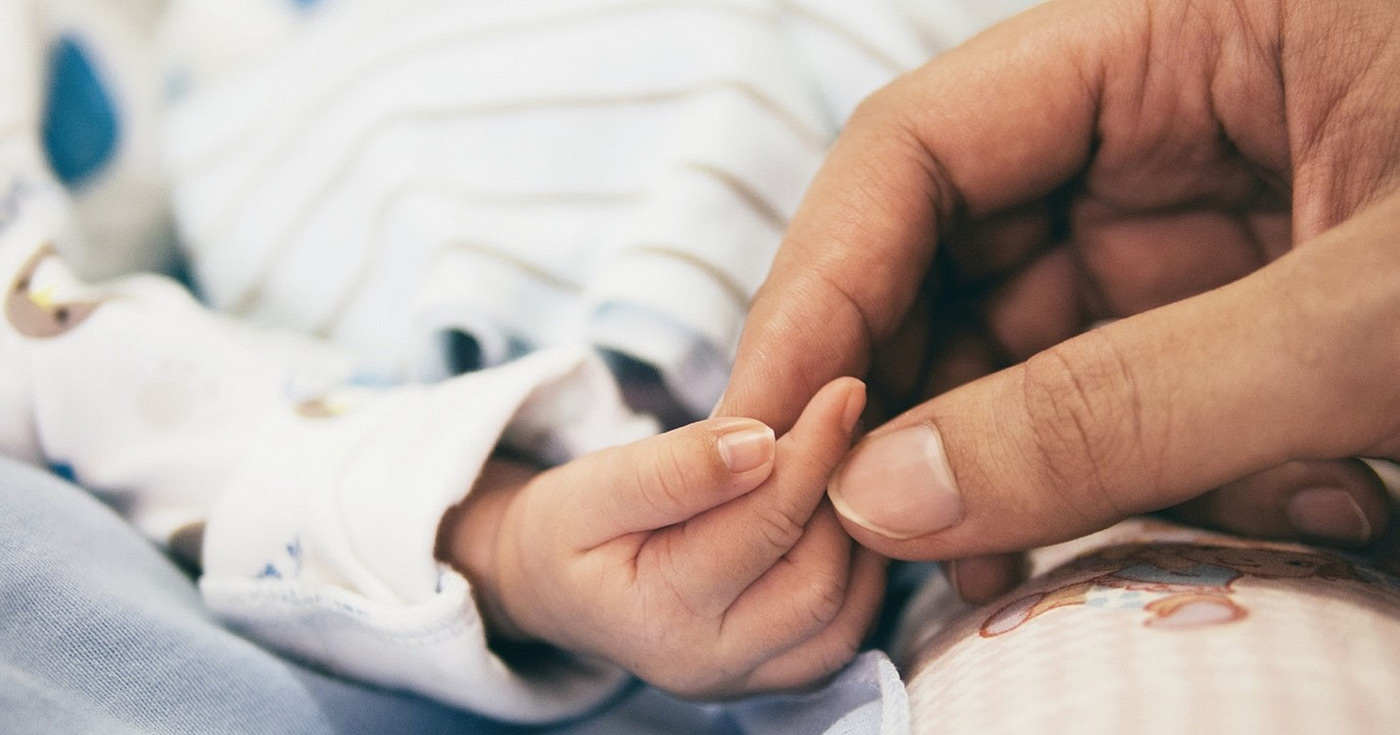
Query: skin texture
x,y
708,572
1216,179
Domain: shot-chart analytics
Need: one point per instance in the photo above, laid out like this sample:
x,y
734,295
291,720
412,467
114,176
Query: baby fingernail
x,y
747,447
1329,513
898,485
855,405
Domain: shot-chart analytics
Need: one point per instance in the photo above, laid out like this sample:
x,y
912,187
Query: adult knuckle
x,y
1084,410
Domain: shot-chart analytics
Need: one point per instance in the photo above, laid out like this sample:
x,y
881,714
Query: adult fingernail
x,y
747,447
898,485
1329,513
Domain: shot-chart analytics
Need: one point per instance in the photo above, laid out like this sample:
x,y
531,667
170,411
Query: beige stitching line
x,y
861,43
553,280
745,192
351,78
376,246
731,287
244,301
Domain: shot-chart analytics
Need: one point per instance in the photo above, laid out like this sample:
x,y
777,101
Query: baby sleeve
x,y
323,544
318,501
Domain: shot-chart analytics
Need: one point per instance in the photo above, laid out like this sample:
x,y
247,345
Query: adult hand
x,y
1218,177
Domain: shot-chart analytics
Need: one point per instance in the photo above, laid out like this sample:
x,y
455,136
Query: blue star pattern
x,y
291,565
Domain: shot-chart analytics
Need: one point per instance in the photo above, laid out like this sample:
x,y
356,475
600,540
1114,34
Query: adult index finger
x,y
1004,119
1295,361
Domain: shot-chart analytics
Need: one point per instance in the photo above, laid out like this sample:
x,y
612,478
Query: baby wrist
x,y
469,539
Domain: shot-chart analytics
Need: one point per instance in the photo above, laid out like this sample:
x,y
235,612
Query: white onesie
x,y
355,181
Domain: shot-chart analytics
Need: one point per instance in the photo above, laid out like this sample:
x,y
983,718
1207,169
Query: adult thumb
x,y
1288,363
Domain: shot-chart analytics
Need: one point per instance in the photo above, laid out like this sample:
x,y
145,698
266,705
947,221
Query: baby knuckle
x,y
838,651
778,527
843,650
816,663
665,480
824,596
691,681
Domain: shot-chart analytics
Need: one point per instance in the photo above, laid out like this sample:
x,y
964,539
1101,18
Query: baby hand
x,y
704,560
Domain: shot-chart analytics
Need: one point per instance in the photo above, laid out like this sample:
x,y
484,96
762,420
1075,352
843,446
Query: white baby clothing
x,y
321,500
533,173
551,177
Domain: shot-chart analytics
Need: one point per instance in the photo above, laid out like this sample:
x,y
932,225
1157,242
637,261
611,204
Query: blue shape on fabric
x,y
269,572
178,83
306,4
12,200
371,379
64,470
81,126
